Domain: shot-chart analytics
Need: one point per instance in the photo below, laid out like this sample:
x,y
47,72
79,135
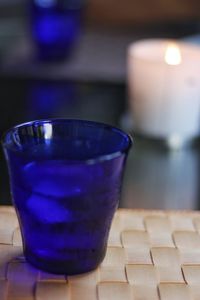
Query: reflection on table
x,y
160,178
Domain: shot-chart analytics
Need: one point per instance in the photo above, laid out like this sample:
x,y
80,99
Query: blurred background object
x,y
106,30
55,26
171,72
90,83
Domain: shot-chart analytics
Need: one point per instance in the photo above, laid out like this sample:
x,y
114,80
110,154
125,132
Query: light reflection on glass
x,y
48,130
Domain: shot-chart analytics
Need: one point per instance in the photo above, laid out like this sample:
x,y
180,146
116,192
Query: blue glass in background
x,y
55,27
65,180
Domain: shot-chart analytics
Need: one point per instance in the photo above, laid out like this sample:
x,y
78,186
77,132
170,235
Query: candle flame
x,y
173,55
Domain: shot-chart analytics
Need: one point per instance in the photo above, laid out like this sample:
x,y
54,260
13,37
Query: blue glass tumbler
x,y
55,27
65,180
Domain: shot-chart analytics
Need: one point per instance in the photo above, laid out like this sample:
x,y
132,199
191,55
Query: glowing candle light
x,y
173,55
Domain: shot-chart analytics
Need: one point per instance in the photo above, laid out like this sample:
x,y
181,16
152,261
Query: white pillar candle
x,y
164,88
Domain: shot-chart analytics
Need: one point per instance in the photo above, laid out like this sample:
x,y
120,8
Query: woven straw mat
x,y
151,255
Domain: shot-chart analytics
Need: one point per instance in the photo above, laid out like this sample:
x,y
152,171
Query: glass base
x,y
66,267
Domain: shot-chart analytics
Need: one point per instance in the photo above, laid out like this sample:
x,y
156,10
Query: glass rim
x,y
99,158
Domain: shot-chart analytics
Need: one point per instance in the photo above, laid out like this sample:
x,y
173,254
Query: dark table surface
x,y
155,176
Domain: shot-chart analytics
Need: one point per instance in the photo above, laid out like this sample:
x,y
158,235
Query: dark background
x,y
91,84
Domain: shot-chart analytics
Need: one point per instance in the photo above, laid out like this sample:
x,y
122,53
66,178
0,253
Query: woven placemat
x,y
152,255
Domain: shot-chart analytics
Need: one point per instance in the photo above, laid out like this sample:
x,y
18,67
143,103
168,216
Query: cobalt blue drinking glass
x,y
65,178
55,26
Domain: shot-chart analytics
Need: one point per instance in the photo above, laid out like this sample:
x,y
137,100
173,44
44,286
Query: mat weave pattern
x,y
152,255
